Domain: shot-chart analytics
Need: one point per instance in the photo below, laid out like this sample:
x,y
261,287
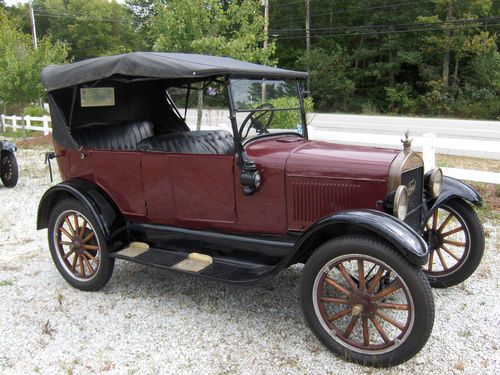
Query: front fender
x,y
378,224
452,188
8,146
110,219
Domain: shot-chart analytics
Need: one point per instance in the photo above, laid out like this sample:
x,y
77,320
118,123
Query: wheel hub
x,y
434,240
362,304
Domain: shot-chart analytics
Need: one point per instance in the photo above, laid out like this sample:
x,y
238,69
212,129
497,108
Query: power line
x,y
359,27
381,32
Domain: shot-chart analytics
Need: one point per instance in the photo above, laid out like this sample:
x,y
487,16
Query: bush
x,y
33,111
289,119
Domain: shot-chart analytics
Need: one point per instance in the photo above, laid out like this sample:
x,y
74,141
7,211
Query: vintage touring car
x,y
9,171
241,205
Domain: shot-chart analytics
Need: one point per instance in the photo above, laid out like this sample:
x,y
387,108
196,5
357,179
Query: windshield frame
x,y
233,110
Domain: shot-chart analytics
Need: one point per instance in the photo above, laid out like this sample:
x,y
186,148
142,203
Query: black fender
x,y
110,220
8,146
367,222
452,188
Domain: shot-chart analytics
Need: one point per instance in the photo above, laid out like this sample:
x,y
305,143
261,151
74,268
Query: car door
x,y
189,190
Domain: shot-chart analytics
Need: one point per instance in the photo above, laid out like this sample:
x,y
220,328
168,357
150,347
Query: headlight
x,y
401,202
256,180
436,182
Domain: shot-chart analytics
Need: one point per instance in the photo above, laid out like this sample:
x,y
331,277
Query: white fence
x,y
26,123
426,143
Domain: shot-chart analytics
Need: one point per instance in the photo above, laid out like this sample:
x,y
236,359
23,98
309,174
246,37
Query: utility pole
x,y
33,26
308,40
266,39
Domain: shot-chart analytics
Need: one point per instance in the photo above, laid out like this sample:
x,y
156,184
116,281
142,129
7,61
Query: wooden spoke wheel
x,y
9,169
366,302
78,246
455,238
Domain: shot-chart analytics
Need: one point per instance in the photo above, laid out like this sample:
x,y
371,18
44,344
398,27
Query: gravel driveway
x,y
151,321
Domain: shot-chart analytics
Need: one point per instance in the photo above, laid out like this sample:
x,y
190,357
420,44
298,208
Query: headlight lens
x,y
401,202
436,182
257,180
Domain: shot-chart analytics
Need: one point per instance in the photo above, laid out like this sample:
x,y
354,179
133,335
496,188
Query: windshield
x,y
266,106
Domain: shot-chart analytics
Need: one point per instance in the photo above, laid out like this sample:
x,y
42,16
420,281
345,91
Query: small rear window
x,y
97,97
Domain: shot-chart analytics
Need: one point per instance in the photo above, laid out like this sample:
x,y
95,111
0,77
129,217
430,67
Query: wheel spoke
x,y
435,219
445,222
431,261
441,258
451,253
65,256
366,332
456,243
340,314
91,269
347,276
66,233
65,243
77,228
389,290
73,265
390,320
351,326
361,273
84,225
380,330
376,279
82,267
453,231
70,226
392,306
91,247
340,288
91,256
89,236
337,301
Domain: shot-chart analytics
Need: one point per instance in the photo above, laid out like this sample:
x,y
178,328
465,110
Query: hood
x,y
331,160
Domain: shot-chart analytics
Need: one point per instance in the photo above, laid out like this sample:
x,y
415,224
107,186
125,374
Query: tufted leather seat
x,y
121,136
193,142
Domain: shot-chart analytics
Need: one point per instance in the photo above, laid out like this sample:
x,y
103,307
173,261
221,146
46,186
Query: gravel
x,y
149,321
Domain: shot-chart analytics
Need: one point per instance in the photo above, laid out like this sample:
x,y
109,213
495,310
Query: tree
x,y
226,28
89,27
20,64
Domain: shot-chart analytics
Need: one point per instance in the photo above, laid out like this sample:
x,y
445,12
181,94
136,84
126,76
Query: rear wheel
x,y
78,246
455,238
365,302
10,171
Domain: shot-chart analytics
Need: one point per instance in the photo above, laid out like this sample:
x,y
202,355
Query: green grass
x,y
19,134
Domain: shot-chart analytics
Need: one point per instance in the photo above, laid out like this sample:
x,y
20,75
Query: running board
x,y
219,268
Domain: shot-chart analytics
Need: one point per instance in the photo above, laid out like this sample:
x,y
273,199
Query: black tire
x,y
9,168
453,264
92,268
418,318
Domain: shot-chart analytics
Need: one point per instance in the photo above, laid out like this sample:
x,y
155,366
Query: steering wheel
x,y
253,120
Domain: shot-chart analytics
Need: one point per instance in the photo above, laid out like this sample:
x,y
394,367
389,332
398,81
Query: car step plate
x,y
195,262
134,249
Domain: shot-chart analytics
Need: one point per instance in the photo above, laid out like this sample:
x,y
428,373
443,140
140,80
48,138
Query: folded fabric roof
x,y
157,65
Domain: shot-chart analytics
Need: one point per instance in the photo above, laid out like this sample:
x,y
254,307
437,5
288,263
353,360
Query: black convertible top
x,y
157,65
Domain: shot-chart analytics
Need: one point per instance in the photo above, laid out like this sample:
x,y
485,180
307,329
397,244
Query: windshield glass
x,y
266,106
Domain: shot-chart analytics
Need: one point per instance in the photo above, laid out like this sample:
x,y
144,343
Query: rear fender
x,y
110,220
367,222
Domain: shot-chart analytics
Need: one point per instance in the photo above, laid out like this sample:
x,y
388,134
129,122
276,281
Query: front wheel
x,y
10,171
365,302
78,246
455,238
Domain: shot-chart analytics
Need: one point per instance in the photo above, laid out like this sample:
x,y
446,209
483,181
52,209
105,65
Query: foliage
x,y
33,111
289,119
224,28
89,27
21,64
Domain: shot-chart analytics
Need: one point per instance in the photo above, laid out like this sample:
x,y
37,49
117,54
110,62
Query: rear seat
x,y
194,142
120,136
